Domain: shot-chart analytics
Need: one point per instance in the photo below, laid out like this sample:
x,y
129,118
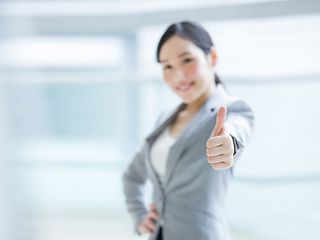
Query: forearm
x,y
239,125
134,178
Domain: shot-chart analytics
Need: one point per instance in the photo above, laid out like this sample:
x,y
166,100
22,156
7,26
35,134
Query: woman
x,y
190,155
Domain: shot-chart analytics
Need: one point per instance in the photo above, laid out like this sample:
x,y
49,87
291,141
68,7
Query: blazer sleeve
x,y
134,179
239,124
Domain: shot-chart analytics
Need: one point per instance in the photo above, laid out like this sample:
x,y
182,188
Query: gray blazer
x,y
191,202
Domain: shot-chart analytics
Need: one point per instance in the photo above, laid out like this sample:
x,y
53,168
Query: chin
x,y
188,99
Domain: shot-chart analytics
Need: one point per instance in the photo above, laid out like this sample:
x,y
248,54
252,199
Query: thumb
x,y
152,206
221,117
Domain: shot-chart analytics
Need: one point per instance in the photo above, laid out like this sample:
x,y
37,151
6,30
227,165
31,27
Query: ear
x,y
213,57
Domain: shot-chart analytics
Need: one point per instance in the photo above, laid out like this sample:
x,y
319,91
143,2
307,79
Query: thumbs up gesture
x,y
220,145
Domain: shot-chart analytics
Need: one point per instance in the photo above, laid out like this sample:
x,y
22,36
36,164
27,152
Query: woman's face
x,y
186,69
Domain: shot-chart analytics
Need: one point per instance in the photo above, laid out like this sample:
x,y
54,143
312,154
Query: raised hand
x,y
220,145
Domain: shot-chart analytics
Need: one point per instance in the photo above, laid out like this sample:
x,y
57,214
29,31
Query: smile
x,y
185,87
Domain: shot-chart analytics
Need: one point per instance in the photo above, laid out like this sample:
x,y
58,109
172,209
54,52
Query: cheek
x,y
167,78
193,70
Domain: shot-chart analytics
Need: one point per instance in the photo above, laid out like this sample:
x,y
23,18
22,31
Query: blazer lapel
x,y
171,116
181,143
151,138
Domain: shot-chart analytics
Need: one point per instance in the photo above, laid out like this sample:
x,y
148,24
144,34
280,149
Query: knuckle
x,y
208,152
215,167
209,142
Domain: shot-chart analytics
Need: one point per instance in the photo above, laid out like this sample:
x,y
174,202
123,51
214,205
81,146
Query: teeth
x,y
185,87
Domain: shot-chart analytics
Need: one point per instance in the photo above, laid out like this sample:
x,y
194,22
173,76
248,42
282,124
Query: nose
x,y
179,75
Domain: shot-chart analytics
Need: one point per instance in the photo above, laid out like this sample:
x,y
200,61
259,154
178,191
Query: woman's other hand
x,y
148,224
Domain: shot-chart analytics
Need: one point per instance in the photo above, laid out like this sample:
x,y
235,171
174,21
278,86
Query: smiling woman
x,y
185,69
189,182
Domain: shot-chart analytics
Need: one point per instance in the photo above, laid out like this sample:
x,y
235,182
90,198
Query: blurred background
x,y
80,89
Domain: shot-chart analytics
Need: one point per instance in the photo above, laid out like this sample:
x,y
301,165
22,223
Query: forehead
x,y
175,46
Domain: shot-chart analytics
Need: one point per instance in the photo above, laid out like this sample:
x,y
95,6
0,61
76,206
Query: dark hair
x,y
193,32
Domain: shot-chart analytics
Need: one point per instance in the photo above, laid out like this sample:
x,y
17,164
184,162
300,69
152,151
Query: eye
x,y
187,60
166,67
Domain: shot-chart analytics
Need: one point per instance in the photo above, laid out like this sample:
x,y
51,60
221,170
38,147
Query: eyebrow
x,y
183,54
180,55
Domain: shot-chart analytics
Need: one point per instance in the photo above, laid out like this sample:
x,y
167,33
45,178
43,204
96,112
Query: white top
x,y
159,153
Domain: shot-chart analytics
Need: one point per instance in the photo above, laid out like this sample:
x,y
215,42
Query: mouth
x,y
185,87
